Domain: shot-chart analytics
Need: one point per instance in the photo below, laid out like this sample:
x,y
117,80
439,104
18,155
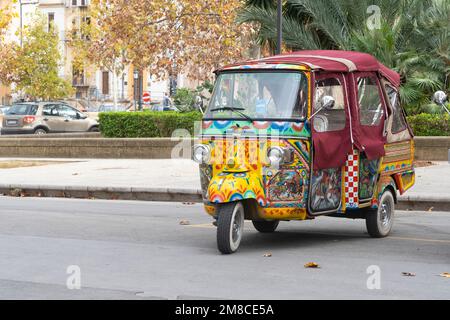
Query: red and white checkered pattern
x,y
351,180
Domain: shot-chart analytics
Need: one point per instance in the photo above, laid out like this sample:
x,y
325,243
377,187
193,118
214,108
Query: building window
x,y
105,83
51,20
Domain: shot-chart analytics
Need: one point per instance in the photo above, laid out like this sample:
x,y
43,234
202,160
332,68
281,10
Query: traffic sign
x,y
146,97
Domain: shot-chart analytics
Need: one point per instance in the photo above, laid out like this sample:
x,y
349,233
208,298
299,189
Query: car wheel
x,y
94,129
266,226
379,221
40,131
230,227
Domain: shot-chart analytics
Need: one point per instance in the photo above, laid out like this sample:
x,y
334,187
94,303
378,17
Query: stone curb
x,y
98,192
419,203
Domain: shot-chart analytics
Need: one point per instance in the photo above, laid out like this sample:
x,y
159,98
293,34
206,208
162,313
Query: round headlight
x,y
275,156
201,154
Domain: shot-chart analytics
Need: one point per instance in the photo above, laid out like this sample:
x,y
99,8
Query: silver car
x,y
46,117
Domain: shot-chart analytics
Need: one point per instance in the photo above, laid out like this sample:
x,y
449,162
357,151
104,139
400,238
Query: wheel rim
x,y
385,214
237,226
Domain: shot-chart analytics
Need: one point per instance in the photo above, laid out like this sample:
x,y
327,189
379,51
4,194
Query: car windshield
x,y
111,108
260,95
23,110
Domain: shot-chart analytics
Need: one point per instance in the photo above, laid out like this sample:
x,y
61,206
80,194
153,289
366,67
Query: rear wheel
x,y
379,221
40,131
266,226
94,129
230,227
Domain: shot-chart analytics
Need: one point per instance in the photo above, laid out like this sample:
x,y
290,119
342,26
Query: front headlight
x,y
201,154
278,156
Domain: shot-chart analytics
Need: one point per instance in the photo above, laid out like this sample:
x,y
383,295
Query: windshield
x,y
260,95
23,110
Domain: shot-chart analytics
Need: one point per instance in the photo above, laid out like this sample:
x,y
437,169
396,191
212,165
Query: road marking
x,y
419,239
204,225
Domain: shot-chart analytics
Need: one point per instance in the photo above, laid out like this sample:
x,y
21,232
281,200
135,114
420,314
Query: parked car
x,y
111,108
4,109
46,117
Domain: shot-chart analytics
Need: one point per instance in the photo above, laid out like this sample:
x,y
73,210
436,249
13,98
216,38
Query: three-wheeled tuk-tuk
x,y
303,135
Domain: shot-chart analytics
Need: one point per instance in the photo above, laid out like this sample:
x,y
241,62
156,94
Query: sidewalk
x,y
174,180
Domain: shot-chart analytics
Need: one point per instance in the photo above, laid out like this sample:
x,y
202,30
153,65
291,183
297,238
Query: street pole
x,y
21,24
136,93
279,26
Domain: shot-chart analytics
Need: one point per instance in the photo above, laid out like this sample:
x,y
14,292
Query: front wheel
x,y
266,226
230,227
379,221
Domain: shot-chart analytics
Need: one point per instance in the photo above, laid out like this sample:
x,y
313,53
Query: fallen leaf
x,y
185,222
312,265
75,174
267,255
445,275
408,274
431,209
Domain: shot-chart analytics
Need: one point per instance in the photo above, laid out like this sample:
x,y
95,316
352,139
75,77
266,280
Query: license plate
x,y
12,122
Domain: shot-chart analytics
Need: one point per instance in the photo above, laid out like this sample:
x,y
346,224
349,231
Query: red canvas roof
x,y
333,61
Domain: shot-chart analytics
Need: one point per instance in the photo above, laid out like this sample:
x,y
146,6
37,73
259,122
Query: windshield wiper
x,y
237,110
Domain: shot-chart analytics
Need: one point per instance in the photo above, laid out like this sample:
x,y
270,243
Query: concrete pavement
x,y
139,250
170,180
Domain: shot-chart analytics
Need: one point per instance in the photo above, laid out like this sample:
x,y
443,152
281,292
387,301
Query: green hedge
x,y
146,124
430,124
162,124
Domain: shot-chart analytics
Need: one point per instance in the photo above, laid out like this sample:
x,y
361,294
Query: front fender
x,y
235,186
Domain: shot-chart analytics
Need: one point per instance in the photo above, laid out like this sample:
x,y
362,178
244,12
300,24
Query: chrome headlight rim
x,y
276,160
201,153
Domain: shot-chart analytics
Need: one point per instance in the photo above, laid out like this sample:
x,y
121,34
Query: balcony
x,y
79,82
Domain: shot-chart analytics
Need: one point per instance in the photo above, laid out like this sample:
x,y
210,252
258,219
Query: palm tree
x,y
412,38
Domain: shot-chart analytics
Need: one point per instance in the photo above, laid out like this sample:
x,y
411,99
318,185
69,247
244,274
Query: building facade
x,y
93,84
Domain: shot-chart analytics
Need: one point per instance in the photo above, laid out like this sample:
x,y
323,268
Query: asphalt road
x,y
139,250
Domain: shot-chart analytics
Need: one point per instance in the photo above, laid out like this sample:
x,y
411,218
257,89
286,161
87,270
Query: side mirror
x,y
327,103
440,98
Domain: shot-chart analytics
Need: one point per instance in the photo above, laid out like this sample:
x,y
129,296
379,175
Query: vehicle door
x,y
52,119
74,121
371,130
331,136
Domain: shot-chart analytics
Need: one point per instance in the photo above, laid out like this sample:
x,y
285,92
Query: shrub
x,y
146,124
430,124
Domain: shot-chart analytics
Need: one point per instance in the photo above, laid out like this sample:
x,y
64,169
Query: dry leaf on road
x,y
445,275
408,274
267,255
312,265
185,222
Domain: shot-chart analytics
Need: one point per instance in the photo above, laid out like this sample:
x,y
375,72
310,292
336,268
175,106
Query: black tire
x,y
379,222
230,226
40,131
94,129
266,226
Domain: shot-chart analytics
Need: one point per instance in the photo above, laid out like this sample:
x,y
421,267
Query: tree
x,y
412,36
164,36
34,67
6,15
